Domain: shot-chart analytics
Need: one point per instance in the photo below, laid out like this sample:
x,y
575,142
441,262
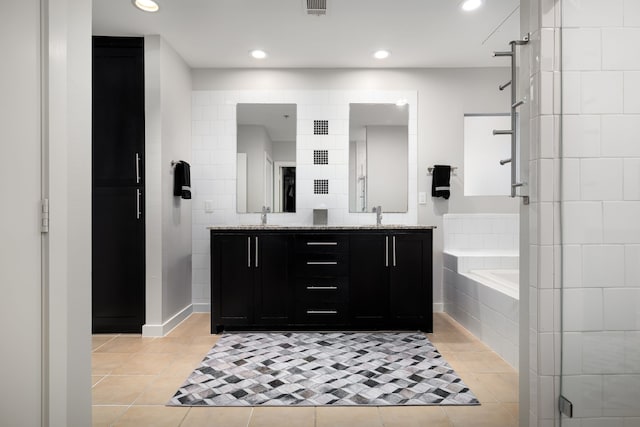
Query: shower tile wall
x,y
213,170
601,207
538,83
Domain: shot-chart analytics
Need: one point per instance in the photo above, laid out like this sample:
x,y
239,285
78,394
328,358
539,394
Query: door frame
x,y
278,165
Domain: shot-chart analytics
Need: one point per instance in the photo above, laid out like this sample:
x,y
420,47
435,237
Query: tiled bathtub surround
x,y
493,232
322,124
487,308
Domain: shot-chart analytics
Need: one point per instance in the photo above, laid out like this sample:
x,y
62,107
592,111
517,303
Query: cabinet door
x,y
118,261
273,287
118,111
232,274
368,279
410,278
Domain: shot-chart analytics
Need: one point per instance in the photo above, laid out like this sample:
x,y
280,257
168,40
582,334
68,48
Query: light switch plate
x,y
208,206
422,198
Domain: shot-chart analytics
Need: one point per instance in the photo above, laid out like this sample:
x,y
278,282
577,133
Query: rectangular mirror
x,y
378,157
266,157
483,173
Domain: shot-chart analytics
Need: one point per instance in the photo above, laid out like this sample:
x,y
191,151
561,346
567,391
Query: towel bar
x,y
453,170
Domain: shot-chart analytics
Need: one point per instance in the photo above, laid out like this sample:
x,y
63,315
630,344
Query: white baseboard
x,y
201,307
166,327
438,307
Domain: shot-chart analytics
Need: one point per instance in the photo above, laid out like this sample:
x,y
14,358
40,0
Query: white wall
x,y
168,218
284,151
254,141
387,155
444,96
46,312
20,244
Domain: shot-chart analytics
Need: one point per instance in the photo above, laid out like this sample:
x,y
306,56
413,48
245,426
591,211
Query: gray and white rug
x,y
314,369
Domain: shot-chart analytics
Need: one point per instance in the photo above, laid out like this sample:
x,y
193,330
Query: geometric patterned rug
x,y
317,368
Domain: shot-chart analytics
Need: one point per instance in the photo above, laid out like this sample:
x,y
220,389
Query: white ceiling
x,y
419,33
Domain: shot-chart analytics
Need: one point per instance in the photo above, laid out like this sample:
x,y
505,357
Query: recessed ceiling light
x,y
258,54
381,54
146,5
469,5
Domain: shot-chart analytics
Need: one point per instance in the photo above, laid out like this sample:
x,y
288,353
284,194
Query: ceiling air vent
x,y
316,7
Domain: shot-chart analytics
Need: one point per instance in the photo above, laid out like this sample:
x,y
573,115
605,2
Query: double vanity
x,y
321,277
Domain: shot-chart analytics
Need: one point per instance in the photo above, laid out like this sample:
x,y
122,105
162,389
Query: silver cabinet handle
x,y
394,251
322,288
322,262
256,251
248,252
137,168
322,311
138,213
386,251
322,243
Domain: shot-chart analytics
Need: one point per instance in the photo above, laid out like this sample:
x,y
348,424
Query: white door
x,y
268,182
20,238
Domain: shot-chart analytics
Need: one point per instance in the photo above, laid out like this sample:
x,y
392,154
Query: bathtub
x,y
505,281
483,297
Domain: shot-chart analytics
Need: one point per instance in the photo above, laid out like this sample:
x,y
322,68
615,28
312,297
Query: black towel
x,y
440,183
182,180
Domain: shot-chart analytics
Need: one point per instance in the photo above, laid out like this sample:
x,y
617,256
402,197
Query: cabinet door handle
x,y
322,311
386,251
138,212
322,262
256,251
137,168
394,251
322,243
248,252
322,288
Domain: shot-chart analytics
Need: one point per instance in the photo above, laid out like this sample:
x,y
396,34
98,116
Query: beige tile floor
x,y
133,378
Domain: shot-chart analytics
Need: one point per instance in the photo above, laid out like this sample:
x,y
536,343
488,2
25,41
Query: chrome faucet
x,y
378,211
263,217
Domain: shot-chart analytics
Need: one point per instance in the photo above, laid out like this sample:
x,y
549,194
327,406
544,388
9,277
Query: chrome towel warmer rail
x,y
515,103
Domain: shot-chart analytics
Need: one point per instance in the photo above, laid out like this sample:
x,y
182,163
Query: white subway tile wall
x,y
601,211
481,231
214,164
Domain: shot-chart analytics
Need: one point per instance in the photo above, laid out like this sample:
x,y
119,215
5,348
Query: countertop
x,y
323,227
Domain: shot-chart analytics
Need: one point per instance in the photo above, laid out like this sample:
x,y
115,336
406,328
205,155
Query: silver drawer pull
x,y
322,243
322,288
322,262
322,311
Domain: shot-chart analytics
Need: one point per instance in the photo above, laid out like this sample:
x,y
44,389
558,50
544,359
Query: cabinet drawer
x,y
321,312
322,265
321,243
321,289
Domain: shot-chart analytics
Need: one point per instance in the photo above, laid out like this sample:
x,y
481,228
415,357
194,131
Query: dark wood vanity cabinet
x,y
321,279
391,280
250,280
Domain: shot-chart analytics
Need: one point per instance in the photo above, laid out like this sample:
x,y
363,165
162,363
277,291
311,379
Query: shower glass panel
x,y
600,207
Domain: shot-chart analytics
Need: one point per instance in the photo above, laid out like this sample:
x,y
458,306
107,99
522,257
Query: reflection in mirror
x,y
266,156
378,157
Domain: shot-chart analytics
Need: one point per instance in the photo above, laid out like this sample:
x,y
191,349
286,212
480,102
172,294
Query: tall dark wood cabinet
x,y
118,230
